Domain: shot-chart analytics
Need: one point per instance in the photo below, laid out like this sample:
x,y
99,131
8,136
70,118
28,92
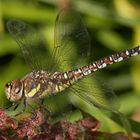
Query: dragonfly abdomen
x,y
80,73
114,58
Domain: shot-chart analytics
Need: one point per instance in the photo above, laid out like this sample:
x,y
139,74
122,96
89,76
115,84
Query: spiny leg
x,y
13,106
23,108
16,108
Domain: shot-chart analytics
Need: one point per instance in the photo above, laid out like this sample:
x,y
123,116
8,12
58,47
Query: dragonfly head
x,y
14,90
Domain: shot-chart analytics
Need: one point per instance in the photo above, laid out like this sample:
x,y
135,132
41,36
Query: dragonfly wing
x,y
71,42
31,42
96,93
99,94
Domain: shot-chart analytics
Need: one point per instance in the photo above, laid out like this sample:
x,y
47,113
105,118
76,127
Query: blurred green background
x,y
113,25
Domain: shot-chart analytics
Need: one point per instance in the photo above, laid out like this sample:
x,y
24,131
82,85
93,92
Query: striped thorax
x,y
37,84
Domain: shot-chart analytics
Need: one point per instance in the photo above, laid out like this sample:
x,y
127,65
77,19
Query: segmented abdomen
x,y
77,74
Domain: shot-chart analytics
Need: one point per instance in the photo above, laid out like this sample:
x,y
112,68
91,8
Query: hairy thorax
x,y
38,84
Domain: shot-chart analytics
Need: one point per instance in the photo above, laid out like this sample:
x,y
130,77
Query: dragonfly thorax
x,y
40,84
35,85
14,90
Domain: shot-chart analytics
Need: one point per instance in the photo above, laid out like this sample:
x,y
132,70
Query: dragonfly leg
x,y
22,109
16,108
32,110
13,106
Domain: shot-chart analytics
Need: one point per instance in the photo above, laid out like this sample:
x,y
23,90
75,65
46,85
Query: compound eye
x,y
8,88
17,90
16,86
14,90
7,85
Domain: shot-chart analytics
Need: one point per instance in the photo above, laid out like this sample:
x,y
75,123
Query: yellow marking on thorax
x,y
33,91
46,93
61,88
51,91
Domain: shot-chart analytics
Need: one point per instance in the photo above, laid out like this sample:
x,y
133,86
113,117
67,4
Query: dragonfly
x,y
66,68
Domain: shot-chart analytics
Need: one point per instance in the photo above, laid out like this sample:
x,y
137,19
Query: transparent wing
x,y
71,42
96,93
99,94
31,42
